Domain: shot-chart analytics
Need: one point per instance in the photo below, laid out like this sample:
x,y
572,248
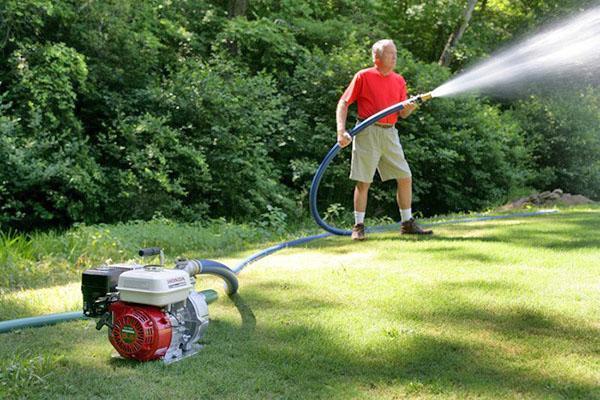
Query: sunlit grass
x,y
500,310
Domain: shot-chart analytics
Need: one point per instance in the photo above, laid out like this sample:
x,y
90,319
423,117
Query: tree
x,y
455,37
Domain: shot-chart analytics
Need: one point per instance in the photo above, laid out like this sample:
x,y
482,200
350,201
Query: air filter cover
x,y
154,286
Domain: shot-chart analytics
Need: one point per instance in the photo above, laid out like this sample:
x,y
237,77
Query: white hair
x,y
377,49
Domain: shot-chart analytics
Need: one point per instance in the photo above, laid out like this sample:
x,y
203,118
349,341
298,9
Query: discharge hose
x,y
314,187
210,295
211,267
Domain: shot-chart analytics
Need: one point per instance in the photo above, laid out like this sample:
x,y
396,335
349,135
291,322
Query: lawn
x,y
500,309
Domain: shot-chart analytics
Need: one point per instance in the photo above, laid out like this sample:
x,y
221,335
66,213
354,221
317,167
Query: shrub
x,y
47,175
230,117
153,170
562,133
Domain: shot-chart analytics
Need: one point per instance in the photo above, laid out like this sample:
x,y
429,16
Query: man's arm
x,y
341,113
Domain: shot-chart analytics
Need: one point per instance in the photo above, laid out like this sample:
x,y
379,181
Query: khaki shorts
x,y
378,148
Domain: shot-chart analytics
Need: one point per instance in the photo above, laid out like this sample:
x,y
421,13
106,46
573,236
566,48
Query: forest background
x,y
193,109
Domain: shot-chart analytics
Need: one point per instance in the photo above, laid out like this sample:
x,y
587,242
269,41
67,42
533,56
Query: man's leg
x,y
365,157
361,195
404,199
361,192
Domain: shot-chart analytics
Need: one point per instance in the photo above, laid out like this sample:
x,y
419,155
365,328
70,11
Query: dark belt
x,y
380,124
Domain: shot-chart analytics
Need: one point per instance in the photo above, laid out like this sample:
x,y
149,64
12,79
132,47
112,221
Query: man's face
x,y
388,57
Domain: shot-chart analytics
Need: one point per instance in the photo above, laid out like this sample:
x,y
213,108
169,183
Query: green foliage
x,y
465,156
46,79
313,91
424,26
42,259
309,9
259,44
322,25
47,174
153,169
23,22
562,133
231,117
274,220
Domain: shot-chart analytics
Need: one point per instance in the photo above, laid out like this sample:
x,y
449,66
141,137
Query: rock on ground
x,y
555,197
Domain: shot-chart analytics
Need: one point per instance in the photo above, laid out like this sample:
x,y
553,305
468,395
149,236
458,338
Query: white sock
x,y
406,214
359,217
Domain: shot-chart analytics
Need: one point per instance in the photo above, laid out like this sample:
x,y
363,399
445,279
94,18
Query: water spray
x,y
567,50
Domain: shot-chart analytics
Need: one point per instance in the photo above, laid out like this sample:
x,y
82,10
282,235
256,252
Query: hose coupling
x,y
422,98
192,267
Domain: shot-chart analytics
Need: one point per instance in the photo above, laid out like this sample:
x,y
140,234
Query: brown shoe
x,y
358,232
411,227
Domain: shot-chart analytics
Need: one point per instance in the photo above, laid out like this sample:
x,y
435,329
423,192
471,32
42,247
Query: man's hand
x,y
344,139
408,109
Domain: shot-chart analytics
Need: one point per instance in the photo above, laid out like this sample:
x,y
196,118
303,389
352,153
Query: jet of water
x,y
570,49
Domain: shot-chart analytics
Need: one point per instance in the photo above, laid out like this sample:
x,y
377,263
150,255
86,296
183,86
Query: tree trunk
x,y
455,37
237,8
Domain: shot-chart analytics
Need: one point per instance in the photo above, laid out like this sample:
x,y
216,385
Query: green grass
x,y
504,309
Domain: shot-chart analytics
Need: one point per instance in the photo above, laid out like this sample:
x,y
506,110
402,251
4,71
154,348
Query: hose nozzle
x,y
422,98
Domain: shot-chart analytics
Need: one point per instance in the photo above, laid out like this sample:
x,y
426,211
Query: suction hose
x,y
314,187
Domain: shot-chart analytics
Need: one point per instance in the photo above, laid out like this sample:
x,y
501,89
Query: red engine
x,y
139,331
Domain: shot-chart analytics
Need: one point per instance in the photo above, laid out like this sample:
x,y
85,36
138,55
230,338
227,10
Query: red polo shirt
x,y
374,92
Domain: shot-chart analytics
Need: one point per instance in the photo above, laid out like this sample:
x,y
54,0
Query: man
x,y
378,146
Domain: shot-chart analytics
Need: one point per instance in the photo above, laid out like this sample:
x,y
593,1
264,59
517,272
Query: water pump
x,y
152,312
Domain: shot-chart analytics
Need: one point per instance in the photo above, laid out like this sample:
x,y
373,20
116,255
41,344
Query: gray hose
x,y
51,319
221,270
7,326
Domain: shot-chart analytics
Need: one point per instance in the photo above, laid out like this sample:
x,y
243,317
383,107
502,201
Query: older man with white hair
x,y
378,146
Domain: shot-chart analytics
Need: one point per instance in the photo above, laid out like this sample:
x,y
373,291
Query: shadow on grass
x,y
248,317
461,254
315,362
460,307
297,298
562,232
